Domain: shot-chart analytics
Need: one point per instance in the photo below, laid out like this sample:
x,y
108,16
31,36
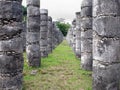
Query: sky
x,y
60,8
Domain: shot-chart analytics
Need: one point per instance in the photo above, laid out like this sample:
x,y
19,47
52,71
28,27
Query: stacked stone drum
x,y
33,33
11,49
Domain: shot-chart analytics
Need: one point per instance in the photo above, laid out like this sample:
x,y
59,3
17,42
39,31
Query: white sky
x,y
60,8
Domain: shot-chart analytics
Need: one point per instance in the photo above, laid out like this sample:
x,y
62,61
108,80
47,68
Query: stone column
x,y
106,43
33,33
11,49
43,32
61,36
71,36
50,30
54,36
74,35
78,35
86,35
68,36
24,36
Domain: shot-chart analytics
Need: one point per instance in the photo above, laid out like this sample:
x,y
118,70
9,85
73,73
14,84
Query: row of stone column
x,y
80,35
42,34
99,41
50,35
13,36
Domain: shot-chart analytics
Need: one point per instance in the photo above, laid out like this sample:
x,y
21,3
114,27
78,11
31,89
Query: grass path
x,y
60,71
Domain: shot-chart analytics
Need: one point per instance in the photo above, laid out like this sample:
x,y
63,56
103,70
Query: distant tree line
x,y
64,27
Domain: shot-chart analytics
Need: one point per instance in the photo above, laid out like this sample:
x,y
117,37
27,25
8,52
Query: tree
x,y
63,27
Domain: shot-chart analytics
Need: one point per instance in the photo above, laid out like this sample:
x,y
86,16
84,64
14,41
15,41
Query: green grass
x,y
60,71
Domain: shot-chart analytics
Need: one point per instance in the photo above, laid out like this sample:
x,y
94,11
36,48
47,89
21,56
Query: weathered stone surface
x,y
106,76
78,35
87,11
57,36
86,35
33,11
43,32
74,41
73,35
106,43
14,64
86,3
32,37
33,23
49,34
44,16
23,35
11,48
53,37
43,23
86,23
33,55
86,60
33,33
107,29
13,45
103,7
11,10
14,83
33,3
106,49
70,36
9,31
86,45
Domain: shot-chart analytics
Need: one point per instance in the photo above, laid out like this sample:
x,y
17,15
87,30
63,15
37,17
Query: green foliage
x,y
24,10
63,27
60,71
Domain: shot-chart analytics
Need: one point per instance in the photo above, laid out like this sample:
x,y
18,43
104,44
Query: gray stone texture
x,y
57,37
11,49
23,35
78,35
74,35
106,43
33,33
43,32
86,35
68,36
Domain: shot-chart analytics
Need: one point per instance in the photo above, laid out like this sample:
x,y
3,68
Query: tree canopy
x,y
63,27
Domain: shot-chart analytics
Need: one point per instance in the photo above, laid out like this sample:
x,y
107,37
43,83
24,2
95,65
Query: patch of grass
x,y
60,71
